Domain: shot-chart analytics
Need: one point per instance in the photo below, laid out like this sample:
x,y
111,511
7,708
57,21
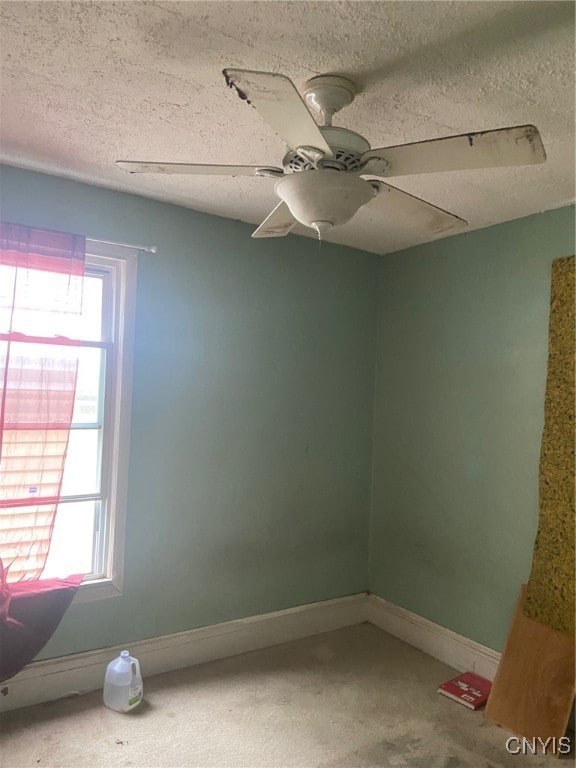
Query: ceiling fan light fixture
x,y
323,197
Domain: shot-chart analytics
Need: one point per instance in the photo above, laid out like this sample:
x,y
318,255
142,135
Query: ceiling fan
x,y
329,173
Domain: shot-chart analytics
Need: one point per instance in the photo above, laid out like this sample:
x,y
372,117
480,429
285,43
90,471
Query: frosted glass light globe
x,y
325,196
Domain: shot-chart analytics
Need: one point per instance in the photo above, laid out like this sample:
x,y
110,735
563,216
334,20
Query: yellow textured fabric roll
x,y
550,591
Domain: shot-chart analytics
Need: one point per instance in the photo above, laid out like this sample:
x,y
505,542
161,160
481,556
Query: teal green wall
x,y
251,433
459,398
256,416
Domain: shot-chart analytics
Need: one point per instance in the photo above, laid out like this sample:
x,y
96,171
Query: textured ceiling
x,y
84,84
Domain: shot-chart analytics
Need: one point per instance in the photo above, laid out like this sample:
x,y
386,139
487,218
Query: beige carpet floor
x,y
354,698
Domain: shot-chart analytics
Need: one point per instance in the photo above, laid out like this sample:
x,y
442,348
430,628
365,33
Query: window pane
x,y
89,325
39,383
75,311
7,282
81,471
87,405
72,540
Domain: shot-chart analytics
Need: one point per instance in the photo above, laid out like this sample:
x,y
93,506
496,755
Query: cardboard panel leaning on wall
x,y
533,692
550,590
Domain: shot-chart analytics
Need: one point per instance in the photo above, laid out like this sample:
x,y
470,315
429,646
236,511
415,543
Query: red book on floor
x,y
468,689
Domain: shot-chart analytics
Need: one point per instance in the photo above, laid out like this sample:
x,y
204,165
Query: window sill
x,y
96,590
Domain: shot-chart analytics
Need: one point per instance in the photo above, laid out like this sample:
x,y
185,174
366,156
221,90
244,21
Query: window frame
x,y
120,262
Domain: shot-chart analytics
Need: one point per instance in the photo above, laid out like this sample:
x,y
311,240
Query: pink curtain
x,y
41,278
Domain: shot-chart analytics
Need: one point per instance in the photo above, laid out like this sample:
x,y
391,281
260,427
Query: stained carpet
x,y
353,698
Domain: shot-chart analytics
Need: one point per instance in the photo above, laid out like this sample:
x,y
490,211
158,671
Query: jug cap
x,y
125,654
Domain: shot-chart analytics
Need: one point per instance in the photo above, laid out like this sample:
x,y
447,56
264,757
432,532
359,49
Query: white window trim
x,y
123,260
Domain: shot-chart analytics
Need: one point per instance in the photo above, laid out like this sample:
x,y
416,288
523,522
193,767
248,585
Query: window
x,y
88,533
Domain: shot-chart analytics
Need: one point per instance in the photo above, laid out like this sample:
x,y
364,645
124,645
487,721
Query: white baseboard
x,y
82,672
436,641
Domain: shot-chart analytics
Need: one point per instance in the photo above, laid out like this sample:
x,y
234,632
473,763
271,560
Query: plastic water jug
x,y
123,687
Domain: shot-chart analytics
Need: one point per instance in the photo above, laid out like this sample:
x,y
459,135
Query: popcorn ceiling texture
x,y
550,592
85,84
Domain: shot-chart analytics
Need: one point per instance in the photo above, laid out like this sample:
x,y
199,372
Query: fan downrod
x,y
328,94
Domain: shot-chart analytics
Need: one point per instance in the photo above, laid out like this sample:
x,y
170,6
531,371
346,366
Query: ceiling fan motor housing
x,y
324,196
347,149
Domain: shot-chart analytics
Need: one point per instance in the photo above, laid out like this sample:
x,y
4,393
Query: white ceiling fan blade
x,y
397,204
276,224
135,166
277,100
519,145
